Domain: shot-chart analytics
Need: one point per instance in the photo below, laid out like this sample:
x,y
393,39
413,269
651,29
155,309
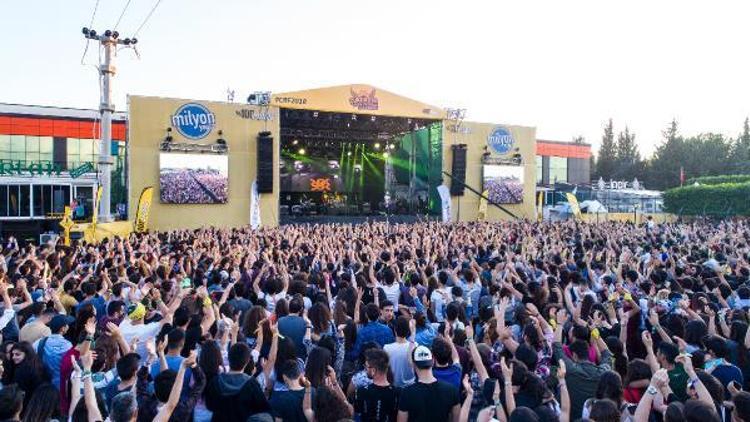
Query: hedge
x,y
723,199
718,180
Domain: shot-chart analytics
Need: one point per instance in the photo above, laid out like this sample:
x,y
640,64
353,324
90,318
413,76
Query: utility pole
x,y
110,40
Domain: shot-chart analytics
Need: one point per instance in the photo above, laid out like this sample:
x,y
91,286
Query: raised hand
x,y
561,370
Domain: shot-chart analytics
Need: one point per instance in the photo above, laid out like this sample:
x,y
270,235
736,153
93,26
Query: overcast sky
x,y
564,67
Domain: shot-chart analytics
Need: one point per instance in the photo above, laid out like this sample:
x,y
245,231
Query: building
x,y
562,162
48,159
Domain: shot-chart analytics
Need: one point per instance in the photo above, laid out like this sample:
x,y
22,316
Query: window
x,y
81,151
42,200
5,150
3,200
60,198
13,198
539,170
558,169
25,200
17,147
45,148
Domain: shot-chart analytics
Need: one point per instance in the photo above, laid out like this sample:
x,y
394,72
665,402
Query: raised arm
x,y
564,396
174,395
510,401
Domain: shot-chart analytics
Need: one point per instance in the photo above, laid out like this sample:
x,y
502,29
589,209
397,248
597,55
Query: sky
x,y
564,67
219,162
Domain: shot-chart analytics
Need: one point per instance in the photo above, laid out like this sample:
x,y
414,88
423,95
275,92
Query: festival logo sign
x,y
500,140
363,99
320,185
193,121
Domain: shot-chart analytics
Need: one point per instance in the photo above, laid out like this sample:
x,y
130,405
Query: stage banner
x,y
573,201
254,206
445,198
483,206
540,206
144,207
95,215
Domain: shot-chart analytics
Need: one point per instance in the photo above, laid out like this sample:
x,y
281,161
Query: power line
x,y
121,15
147,18
93,15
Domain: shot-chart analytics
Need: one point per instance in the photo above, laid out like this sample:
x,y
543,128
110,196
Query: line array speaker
x,y
458,169
265,162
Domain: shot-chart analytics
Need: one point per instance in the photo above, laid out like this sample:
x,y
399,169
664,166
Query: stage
x,y
352,219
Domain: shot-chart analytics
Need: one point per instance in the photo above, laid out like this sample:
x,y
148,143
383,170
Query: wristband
x,y
89,338
651,390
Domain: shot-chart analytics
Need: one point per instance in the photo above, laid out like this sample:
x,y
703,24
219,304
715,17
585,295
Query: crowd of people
x,y
507,321
190,186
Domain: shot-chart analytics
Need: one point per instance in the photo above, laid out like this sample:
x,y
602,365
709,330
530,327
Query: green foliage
x,y
718,180
606,162
721,200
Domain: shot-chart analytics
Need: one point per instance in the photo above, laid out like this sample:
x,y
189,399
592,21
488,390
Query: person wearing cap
x,y
53,347
428,399
134,326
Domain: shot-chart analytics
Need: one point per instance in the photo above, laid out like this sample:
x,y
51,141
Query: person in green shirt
x,y
665,358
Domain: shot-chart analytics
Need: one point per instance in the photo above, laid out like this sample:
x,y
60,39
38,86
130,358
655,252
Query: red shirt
x,y
66,369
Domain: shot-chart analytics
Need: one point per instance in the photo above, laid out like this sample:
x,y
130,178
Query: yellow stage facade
x,y
150,118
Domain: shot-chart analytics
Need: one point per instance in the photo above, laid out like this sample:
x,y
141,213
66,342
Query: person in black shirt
x,y
428,400
377,401
287,405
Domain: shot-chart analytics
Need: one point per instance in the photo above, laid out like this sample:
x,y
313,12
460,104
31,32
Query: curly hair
x,y
329,406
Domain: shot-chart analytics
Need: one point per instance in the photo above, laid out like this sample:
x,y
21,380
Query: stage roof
x,y
357,99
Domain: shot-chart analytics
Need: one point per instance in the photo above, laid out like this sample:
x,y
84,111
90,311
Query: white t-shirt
x,y
398,354
439,302
144,332
392,292
271,300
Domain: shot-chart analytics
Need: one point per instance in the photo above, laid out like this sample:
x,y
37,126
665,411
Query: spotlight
x,y
115,34
377,145
85,31
349,154
92,33
354,117
295,142
315,114
301,151
134,40
221,140
372,118
168,138
126,41
391,146
107,33
386,154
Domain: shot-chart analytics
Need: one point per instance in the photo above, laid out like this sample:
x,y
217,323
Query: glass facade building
x,y
48,160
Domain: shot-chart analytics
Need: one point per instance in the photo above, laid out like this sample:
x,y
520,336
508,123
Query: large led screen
x,y
503,183
193,178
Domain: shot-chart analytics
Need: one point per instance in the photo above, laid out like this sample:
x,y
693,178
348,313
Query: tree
x,y
606,160
669,157
740,155
628,162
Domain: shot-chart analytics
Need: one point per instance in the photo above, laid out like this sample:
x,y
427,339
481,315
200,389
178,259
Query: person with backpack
x,y
52,348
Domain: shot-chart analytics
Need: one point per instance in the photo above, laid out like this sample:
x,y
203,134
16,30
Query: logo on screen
x,y
320,185
193,121
500,140
363,99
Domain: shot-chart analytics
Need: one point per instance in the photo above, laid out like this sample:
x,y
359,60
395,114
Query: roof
x,y
50,111
563,149
357,99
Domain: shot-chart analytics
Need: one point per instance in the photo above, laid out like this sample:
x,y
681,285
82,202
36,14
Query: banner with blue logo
x,y
500,140
193,121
